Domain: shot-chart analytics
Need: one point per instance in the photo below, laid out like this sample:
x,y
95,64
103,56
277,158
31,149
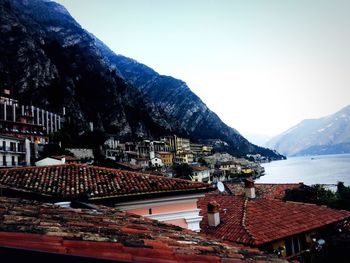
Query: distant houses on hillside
x,y
22,129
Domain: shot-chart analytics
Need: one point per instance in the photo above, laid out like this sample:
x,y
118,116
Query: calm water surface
x,y
324,169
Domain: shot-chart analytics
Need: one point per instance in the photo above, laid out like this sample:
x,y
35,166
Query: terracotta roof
x,y
111,234
228,162
269,191
199,168
164,152
78,181
259,221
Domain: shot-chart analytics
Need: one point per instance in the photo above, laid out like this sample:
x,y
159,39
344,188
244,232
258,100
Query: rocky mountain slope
x,y
327,135
47,59
184,108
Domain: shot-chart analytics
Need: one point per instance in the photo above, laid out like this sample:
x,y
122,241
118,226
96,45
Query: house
x,y
56,160
166,199
14,151
143,162
50,161
37,232
200,174
166,157
288,229
183,157
154,161
230,166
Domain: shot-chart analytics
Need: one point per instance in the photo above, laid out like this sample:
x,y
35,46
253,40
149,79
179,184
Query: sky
x,y
262,66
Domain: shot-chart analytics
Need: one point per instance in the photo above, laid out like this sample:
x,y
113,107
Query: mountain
x,y
327,135
48,59
180,105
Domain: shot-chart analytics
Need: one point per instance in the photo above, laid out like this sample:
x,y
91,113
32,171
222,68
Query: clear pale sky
x,y
262,66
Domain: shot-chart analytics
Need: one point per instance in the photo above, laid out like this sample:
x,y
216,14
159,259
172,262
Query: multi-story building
x,y
28,122
166,157
14,151
178,144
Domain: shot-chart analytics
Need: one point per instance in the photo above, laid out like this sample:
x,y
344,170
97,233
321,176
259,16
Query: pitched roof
x,y
110,233
199,168
269,191
78,181
259,221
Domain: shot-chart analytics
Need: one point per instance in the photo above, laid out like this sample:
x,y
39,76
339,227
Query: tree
x,y
183,171
316,194
343,194
202,161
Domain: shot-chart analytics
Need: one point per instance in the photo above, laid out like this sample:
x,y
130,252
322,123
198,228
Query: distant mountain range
x,y
47,59
327,135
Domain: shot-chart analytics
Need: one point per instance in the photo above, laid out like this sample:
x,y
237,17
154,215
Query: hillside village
x,y
170,180
26,131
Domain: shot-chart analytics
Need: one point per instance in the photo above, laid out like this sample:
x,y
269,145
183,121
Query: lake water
x,y
321,169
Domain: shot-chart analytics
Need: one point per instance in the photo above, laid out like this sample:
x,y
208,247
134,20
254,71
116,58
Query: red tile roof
x,y
199,168
129,166
111,234
78,181
259,221
269,191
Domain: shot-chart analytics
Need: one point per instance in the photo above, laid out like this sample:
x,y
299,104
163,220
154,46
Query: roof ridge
x,y
101,168
243,221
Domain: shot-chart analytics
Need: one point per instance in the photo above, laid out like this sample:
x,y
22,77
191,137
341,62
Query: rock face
x,y
185,110
47,58
327,135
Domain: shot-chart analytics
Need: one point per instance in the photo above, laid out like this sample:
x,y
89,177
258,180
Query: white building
x,y
14,151
201,174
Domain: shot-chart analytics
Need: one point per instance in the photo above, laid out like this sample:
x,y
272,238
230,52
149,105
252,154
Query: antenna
x,y
220,187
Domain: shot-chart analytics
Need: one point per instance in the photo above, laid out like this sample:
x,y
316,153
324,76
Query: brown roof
x,y
270,191
199,168
78,181
259,221
111,234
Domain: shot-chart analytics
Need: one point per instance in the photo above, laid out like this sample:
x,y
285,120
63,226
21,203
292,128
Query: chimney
x,y
249,188
213,214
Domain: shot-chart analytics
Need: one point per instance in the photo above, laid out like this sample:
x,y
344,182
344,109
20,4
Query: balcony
x,y
9,149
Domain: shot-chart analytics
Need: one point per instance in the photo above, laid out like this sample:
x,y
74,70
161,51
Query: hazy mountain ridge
x,y
47,59
327,135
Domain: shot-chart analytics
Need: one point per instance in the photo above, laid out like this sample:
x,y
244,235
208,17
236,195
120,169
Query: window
x,y
4,160
12,146
4,145
13,161
295,244
150,211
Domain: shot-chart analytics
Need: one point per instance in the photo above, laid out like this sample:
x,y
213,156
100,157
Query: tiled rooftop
x,y
269,191
111,234
77,181
200,168
259,221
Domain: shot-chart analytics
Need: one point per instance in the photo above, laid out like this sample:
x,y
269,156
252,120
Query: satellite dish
x,y
220,187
